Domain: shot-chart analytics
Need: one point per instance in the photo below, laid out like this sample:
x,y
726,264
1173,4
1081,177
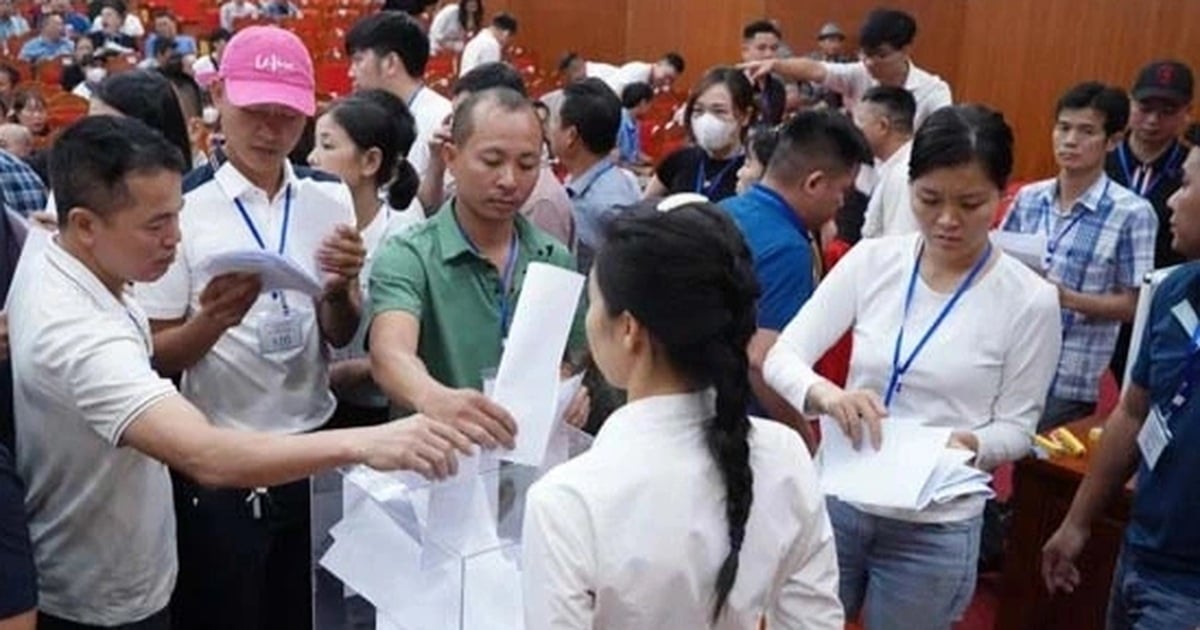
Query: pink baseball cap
x,y
266,65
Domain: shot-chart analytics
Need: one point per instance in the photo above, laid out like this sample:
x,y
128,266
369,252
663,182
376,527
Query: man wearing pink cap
x,y
249,359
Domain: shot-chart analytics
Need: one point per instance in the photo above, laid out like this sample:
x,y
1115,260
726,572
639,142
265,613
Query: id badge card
x,y
279,332
1154,437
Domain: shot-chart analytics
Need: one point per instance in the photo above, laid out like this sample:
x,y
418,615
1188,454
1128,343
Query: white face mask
x,y
713,134
94,74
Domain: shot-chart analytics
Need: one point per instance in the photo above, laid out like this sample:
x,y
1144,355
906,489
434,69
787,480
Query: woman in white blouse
x,y
685,513
949,332
454,24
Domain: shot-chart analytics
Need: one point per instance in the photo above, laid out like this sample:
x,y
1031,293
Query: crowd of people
x,y
162,422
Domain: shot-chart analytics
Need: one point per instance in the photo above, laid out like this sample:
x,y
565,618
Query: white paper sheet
x,y
952,478
381,562
893,476
462,520
491,594
404,495
278,273
1027,248
528,376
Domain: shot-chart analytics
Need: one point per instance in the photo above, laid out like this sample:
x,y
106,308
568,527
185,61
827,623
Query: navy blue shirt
x,y
782,250
1163,528
18,582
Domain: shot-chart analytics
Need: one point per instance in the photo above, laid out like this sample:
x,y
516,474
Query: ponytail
x,y
686,275
403,186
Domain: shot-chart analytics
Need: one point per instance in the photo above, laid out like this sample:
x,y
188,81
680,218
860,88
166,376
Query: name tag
x,y
1154,437
280,333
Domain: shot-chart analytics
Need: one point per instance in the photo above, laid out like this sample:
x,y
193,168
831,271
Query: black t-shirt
x,y
1156,182
680,172
18,581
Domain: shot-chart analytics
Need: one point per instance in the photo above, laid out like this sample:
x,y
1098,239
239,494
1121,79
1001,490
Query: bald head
x,y
16,139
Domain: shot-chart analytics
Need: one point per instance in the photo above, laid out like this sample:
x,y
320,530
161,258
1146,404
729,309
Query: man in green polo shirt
x,y
443,294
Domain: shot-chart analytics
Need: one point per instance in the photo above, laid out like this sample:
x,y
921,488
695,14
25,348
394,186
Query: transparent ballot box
x,y
393,551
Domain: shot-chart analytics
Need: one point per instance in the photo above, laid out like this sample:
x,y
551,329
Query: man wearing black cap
x,y
1150,159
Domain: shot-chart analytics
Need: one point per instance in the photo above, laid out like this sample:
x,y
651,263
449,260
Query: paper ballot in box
x,y
912,470
393,550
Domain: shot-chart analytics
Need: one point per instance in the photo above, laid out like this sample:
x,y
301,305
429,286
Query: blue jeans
x,y
905,575
1140,602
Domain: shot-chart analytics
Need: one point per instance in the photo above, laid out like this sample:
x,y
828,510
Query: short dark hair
x,y
191,99
378,119
490,75
507,100
1110,101
887,26
758,27
761,143
898,105
594,111
220,35
635,94
505,22
92,158
115,5
148,97
163,13
391,32
818,140
675,60
961,134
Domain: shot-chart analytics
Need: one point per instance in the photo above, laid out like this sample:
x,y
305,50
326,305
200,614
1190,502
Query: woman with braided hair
x,y
685,513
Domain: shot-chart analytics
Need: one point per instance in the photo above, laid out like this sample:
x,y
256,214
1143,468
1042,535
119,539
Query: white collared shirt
x,y
100,516
986,369
889,212
235,384
630,535
852,80
483,48
430,110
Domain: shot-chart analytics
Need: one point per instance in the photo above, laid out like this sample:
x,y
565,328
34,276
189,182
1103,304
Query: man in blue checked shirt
x,y
1155,430
1100,243
24,192
50,43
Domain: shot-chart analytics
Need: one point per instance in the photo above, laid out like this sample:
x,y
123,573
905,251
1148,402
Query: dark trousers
x,y
239,572
160,620
1121,353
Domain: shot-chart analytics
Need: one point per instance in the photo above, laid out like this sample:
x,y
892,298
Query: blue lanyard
x,y
1054,240
899,369
610,166
716,181
506,279
283,232
1147,188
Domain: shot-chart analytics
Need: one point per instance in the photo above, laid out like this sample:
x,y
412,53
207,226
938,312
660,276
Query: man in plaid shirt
x,y
24,192
1100,243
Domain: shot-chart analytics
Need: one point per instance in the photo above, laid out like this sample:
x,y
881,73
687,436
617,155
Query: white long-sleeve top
x,y
987,368
889,211
630,535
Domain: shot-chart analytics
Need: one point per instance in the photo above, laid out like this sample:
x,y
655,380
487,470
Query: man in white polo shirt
x,y
886,39
388,51
263,364
95,423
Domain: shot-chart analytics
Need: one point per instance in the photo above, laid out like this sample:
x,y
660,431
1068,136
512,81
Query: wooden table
x,y
1042,493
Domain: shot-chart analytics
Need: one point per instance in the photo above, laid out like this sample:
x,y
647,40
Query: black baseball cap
x,y
1167,80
